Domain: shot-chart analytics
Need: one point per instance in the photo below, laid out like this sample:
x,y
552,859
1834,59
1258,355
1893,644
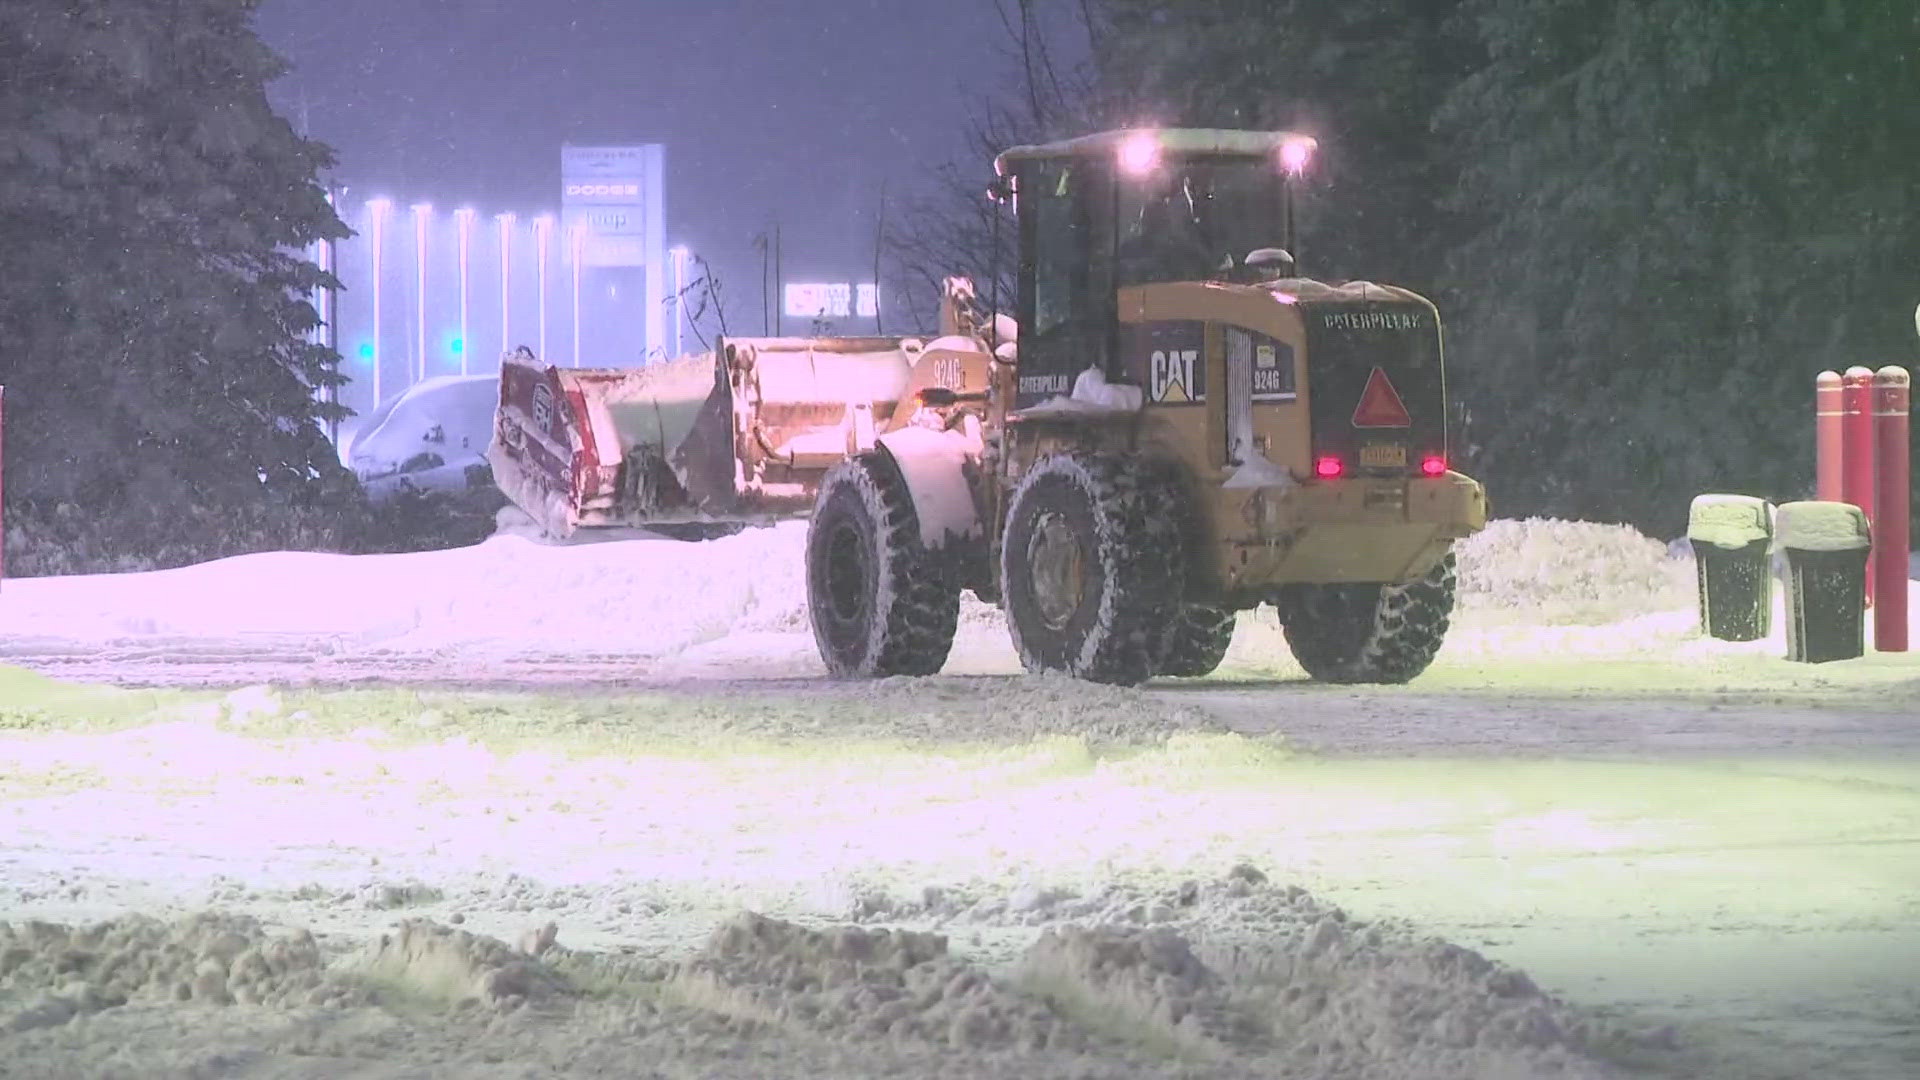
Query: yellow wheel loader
x,y
1175,426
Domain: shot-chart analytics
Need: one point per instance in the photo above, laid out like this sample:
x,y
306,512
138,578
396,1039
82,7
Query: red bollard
x,y
3,483
1856,456
1892,400
1826,436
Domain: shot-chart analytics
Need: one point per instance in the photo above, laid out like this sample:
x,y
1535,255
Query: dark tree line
x,y
153,315
1683,210
1648,222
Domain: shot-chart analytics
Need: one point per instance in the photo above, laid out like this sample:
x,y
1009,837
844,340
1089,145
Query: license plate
x,y
1383,457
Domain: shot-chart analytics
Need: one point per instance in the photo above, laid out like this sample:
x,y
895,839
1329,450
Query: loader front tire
x,y
1091,568
880,602
1368,633
1195,641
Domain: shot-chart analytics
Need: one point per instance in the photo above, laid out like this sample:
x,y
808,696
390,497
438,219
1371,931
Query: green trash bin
x,y
1827,545
1732,536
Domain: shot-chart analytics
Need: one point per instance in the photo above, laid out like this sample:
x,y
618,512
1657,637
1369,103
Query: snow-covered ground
x,y
525,809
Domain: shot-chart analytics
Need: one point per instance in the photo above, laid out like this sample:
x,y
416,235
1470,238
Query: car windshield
x,y
1196,219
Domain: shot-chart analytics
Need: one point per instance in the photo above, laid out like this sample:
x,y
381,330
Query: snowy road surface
x,y
1678,857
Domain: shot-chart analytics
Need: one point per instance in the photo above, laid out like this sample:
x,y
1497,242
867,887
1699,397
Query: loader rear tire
x,y
1091,569
1195,641
880,602
1367,633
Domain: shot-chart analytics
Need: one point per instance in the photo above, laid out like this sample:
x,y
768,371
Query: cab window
x,y
1066,276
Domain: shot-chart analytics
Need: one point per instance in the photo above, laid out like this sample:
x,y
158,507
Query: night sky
x,y
769,109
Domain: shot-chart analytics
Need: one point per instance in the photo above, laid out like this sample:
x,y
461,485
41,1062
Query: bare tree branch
x,y
948,229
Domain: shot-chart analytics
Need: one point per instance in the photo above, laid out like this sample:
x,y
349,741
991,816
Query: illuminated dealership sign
x,y
613,218
612,193
831,300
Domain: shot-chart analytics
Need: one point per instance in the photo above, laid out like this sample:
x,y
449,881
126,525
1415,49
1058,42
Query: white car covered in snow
x,y
432,437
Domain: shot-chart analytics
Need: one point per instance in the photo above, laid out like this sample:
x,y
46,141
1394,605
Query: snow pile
x,y
208,958
859,984
1547,571
1139,981
453,966
1344,997
653,598
734,606
650,598
388,896
657,598
1238,966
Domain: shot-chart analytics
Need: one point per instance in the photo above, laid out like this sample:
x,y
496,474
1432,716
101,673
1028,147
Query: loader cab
x,y
1104,212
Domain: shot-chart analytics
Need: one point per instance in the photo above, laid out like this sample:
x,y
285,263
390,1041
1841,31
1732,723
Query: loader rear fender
x,y
940,468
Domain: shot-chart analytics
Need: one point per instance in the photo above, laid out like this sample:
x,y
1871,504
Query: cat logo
x,y
1171,376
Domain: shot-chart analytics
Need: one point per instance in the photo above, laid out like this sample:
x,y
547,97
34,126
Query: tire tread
x,y
1369,633
918,601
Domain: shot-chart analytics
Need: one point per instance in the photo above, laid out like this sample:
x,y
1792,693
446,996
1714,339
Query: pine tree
x,y
1684,210
153,294
1363,76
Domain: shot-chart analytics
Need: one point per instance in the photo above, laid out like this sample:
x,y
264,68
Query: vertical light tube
x,y
506,221
577,236
378,208
420,214
463,220
328,332
542,228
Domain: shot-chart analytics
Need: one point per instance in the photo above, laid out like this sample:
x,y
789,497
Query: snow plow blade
x,y
743,433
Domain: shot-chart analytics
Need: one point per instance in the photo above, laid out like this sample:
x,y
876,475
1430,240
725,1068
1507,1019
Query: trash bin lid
x,y
1822,526
1729,521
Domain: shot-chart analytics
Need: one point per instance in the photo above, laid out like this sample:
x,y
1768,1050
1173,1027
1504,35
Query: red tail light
x,y
1328,468
1433,465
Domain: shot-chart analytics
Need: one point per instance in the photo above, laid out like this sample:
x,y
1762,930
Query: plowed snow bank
x,y
655,597
208,958
1548,571
1239,973
852,982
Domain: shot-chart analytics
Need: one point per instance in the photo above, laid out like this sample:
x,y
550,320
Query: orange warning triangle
x,y
1380,404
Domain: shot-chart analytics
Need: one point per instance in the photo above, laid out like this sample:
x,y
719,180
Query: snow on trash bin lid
x,y
1729,521
1822,526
